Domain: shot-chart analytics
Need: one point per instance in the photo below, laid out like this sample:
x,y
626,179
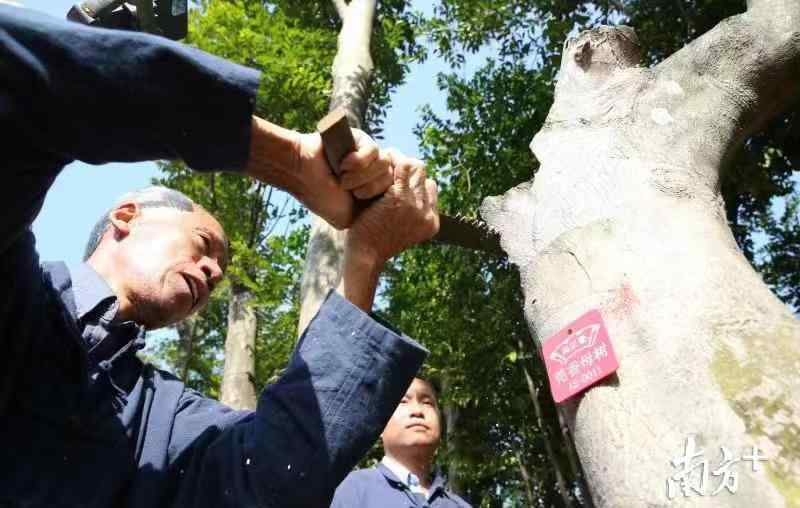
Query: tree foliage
x,y
780,261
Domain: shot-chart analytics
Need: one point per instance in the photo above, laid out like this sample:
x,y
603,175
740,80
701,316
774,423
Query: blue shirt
x,y
381,487
410,480
83,422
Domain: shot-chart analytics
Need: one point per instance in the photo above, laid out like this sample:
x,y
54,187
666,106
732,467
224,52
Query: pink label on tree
x,y
578,356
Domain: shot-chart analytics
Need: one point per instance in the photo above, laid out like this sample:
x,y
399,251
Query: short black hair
x,y
154,196
432,380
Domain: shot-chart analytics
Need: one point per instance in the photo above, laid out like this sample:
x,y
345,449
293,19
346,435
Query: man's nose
x,y
211,269
416,411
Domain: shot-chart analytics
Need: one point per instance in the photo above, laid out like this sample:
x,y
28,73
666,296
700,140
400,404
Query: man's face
x,y
415,422
169,262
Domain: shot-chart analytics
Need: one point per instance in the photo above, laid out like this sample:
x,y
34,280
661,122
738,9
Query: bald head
x,y
149,197
161,253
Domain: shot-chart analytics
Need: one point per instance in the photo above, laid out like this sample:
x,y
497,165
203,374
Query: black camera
x,y
168,18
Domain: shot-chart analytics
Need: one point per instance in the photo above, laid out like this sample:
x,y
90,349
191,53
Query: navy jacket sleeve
x,y
109,95
342,384
70,92
73,92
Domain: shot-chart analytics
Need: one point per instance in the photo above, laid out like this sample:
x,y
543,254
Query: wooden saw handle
x,y
338,141
337,138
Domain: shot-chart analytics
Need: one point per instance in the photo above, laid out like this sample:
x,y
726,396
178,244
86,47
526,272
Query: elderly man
x,y
83,422
406,476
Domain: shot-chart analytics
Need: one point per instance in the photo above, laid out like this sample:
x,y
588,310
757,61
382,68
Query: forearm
x,y
360,274
274,155
110,95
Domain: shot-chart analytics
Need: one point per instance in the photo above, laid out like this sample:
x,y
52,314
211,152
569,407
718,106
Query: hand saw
x,y
337,140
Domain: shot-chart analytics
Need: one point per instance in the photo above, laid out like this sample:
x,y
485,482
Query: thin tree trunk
x,y
186,339
526,478
237,389
555,464
572,457
451,414
566,441
352,71
625,216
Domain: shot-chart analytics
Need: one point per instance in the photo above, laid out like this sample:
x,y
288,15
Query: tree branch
x,y
254,210
746,69
277,219
352,65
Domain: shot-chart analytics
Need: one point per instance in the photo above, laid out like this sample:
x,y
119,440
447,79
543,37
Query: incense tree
x,y
626,215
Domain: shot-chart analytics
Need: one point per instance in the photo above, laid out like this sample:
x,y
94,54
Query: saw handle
x,y
337,138
337,142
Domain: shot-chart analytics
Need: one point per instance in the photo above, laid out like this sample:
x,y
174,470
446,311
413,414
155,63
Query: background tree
x,y
780,261
249,314
376,42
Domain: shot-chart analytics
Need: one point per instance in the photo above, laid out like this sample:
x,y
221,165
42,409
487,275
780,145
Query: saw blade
x,y
468,233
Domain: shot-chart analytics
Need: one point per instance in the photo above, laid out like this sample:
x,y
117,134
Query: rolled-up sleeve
x,y
342,384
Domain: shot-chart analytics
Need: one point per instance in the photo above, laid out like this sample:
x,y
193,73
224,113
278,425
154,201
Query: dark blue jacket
x,y
83,422
378,487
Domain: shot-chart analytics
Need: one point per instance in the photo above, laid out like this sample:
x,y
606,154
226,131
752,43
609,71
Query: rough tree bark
x,y
352,71
237,389
625,215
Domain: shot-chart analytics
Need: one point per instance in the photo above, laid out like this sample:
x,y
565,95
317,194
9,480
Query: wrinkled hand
x,y
405,216
366,173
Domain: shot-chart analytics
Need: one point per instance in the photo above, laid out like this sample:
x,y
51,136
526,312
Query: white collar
x,y
398,469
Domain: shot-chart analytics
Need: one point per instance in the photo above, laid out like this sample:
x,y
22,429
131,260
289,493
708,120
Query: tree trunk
x,y
526,479
352,71
533,392
625,216
450,414
237,389
186,338
572,457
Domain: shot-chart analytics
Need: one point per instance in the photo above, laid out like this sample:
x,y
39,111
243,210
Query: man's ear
x,y
121,217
